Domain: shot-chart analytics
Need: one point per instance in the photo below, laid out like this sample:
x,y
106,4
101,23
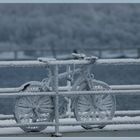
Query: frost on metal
x,y
91,102
32,109
40,63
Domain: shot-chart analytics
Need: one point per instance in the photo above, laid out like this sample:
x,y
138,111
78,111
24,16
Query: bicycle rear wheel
x,y
94,107
33,108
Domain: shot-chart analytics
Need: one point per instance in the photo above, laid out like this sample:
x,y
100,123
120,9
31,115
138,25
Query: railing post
x,y
55,87
68,69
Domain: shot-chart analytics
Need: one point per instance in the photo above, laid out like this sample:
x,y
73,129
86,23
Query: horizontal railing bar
x,y
19,89
28,124
97,62
128,113
108,122
76,93
6,117
125,87
117,113
10,90
15,94
113,87
111,92
64,62
118,62
35,63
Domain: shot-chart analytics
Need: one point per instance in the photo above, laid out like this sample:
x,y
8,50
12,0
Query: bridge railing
x,y
117,90
43,51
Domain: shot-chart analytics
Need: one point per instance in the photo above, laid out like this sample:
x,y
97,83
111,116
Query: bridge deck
x,y
77,132
127,130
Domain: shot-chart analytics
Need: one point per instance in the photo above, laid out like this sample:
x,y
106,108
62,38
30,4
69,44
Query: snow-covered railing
x,y
130,113
116,90
36,63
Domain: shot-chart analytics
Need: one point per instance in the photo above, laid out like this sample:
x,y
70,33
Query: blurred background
x,y
29,31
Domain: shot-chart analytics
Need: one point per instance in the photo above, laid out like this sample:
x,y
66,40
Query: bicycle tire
x,y
33,108
94,104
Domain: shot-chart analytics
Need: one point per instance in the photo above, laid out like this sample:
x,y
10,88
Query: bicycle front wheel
x,y
34,108
94,107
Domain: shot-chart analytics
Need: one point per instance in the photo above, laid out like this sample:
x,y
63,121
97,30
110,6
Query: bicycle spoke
x,y
33,109
94,107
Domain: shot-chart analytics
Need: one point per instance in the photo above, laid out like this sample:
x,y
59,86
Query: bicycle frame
x,y
84,63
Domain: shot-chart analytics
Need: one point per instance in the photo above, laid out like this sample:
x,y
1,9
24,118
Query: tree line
x,y
75,26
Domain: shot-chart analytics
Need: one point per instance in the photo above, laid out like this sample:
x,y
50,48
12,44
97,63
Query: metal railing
x,y
47,50
116,90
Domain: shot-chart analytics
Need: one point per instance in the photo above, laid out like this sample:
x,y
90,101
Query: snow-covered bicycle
x,y
40,108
